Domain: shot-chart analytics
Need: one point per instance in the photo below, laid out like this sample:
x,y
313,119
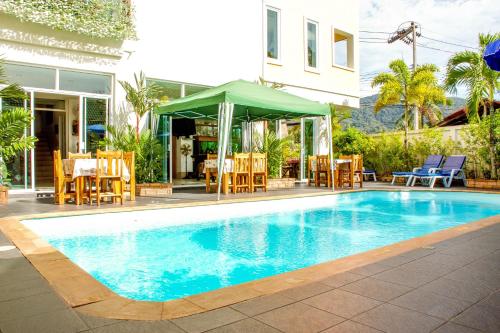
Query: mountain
x,y
385,120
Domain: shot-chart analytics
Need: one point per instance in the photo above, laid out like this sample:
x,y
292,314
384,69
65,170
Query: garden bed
x,y
154,190
280,183
484,183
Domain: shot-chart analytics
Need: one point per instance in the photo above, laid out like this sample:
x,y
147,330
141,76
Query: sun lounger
x,y
368,173
432,162
453,168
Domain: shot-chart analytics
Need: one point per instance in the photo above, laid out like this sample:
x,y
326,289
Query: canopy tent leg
x,y
328,120
224,120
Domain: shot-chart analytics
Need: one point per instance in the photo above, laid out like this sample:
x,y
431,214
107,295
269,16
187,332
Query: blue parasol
x,y
97,128
492,55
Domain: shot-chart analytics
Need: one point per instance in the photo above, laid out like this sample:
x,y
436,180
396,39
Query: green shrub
x,y
429,142
386,154
476,146
351,141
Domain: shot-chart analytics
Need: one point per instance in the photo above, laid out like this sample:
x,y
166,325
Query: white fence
x,y
449,132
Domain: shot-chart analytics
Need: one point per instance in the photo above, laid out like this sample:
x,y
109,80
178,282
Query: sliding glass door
x,y
94,113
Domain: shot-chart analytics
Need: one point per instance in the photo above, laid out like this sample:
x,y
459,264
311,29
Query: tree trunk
x,y
138,120
492,140
406,134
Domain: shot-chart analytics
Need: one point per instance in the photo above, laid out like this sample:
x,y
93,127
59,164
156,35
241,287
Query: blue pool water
x,y
170,262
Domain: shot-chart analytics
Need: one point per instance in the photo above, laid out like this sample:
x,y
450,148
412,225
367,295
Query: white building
x,y
308,46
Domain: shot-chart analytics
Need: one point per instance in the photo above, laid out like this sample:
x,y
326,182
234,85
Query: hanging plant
x,y
95,18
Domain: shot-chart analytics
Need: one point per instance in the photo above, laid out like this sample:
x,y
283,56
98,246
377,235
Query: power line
x,y
440,34
434,48
441,41
372,42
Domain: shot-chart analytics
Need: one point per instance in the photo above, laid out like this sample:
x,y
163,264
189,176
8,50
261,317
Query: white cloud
x,y
454,21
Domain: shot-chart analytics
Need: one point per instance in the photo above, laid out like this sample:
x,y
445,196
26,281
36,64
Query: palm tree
x,y
402,86
428,97
469,69
13,123
143,97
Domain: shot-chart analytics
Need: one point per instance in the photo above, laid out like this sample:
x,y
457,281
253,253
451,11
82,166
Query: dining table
x,y
80,168
210,169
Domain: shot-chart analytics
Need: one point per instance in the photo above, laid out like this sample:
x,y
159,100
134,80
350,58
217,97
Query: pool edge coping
x,y
85,294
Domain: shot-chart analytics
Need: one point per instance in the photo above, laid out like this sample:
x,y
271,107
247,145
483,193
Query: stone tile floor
x,y
453,286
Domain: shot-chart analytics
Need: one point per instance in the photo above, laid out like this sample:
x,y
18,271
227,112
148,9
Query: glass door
x,y
94,113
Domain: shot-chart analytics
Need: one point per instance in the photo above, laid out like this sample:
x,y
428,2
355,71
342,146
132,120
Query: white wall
x,y
200,42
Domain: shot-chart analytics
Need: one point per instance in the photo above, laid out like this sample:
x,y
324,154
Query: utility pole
x,y
403,33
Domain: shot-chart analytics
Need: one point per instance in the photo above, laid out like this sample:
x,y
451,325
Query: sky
x,y
452,21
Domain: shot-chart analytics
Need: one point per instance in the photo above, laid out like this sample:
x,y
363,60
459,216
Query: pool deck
x,y
448,281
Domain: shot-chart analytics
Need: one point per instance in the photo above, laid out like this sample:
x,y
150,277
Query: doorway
x,y
50,130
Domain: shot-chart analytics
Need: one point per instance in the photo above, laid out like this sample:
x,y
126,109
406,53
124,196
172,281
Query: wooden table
x,y
210,170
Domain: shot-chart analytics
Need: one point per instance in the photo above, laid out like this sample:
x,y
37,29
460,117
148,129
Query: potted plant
x,y
12,137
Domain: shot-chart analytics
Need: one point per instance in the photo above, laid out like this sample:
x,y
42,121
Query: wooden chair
x,y
323,168
352,173
129,160
108,170
241,172
258,171
62,182
311,173
210,172
82,182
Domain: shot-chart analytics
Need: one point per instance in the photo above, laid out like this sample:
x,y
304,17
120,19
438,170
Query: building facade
x,y
308,47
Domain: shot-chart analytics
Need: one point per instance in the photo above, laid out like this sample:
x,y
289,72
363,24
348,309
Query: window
x,y
273,34
85,82
312,44
342,49
31,76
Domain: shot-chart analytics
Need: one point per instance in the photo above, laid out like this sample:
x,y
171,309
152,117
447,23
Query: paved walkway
x,y
453,286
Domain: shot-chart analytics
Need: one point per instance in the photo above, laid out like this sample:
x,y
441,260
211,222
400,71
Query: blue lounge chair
x,y
432,162
368,173
453,168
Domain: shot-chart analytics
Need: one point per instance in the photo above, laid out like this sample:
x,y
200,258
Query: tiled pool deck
x,y
452,285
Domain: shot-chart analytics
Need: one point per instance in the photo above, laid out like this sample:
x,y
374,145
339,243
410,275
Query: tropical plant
x,y
13,123
402,86
475,144
468,68
144,97
338,115
351,141
275,148
428,99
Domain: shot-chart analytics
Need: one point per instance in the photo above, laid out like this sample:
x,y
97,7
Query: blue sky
x,y
451,21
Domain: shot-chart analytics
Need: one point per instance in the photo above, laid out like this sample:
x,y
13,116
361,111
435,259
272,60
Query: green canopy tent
x,y
246,102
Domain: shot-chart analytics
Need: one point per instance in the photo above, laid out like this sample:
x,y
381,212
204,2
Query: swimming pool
x,y
165,254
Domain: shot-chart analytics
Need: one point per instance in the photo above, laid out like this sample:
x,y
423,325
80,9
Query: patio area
x,y
450,286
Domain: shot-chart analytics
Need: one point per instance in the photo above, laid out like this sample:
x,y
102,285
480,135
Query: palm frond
x,y
12,136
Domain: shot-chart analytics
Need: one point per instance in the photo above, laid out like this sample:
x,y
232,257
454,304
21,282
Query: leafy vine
x,y
95,18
